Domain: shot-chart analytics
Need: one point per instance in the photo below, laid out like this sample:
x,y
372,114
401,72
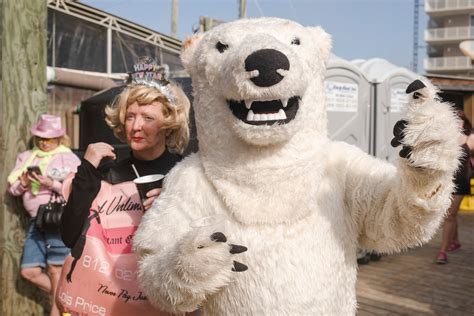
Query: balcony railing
x,y
448,5
448,63
449,33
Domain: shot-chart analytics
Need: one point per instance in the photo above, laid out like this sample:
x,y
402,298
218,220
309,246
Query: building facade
x,y
451,22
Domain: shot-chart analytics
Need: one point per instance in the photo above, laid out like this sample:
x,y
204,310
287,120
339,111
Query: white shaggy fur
x,y
301,203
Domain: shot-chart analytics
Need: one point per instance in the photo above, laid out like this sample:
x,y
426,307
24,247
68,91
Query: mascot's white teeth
x,y
282,115
266,117
254,112
250,116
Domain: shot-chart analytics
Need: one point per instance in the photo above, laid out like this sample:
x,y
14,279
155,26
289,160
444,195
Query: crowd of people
x,y
151,116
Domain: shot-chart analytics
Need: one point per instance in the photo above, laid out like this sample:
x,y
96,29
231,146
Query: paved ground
x,y
412,284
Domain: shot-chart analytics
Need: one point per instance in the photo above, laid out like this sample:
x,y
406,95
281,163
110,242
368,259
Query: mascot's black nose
x,y
267,62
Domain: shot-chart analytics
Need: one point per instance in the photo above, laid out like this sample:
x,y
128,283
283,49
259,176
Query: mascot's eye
x,y
221,47
295,41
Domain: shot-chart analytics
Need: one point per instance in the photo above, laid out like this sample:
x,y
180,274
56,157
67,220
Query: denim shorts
x,y
43,248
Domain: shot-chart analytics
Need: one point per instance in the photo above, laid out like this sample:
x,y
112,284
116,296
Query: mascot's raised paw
x,y
207,256
234,249
419,92
430,130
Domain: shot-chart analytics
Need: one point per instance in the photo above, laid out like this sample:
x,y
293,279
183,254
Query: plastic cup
x,y
147,183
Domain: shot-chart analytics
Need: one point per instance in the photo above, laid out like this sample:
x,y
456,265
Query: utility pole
x,y
242,9
174,18
416,12
23,98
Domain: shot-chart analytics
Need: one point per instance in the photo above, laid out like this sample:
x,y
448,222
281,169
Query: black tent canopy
x,y
92,118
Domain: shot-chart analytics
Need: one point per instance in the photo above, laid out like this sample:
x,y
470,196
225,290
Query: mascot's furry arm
x,y
180,266
398,208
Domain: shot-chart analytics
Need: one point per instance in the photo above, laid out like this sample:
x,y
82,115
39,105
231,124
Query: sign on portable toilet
x,y
348,103
389,83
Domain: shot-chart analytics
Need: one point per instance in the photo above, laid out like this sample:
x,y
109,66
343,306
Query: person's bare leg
x,y
449,226
456,237
37,276
54,273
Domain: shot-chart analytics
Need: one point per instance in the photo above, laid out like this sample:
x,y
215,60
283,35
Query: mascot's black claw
x,y
415,85
405,152
218,237
395,142
398,132
239,267
399,128
237,249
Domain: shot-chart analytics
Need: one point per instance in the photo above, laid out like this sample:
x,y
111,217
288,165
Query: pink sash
x,y
104,281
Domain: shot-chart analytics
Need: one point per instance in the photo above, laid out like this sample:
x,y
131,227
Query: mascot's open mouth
x,y
265,112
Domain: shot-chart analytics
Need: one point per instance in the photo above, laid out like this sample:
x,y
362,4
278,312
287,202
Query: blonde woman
x,y
104,209
37,174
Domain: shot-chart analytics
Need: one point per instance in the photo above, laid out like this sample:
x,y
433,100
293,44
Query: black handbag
x,y
49,215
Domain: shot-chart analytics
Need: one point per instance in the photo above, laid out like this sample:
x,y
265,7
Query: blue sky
x,y
360,28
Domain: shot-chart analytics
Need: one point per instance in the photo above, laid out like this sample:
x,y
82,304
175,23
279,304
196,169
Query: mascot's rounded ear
x,y
323,41
188,49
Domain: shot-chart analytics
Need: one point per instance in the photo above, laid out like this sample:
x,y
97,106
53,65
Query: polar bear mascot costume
x,y
297,204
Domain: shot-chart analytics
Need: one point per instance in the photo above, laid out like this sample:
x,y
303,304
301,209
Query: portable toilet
x,y
389,83
348,103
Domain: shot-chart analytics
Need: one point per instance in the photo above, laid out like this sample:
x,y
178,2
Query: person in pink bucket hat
x,y
37,175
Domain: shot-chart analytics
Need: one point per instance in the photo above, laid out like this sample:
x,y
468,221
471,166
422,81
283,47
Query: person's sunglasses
x,y
46,140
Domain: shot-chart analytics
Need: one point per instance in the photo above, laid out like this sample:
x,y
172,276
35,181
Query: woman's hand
x,y
25,181
43,180
98,151
151,196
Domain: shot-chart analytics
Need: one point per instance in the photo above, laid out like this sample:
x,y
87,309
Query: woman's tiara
x,y
147,73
